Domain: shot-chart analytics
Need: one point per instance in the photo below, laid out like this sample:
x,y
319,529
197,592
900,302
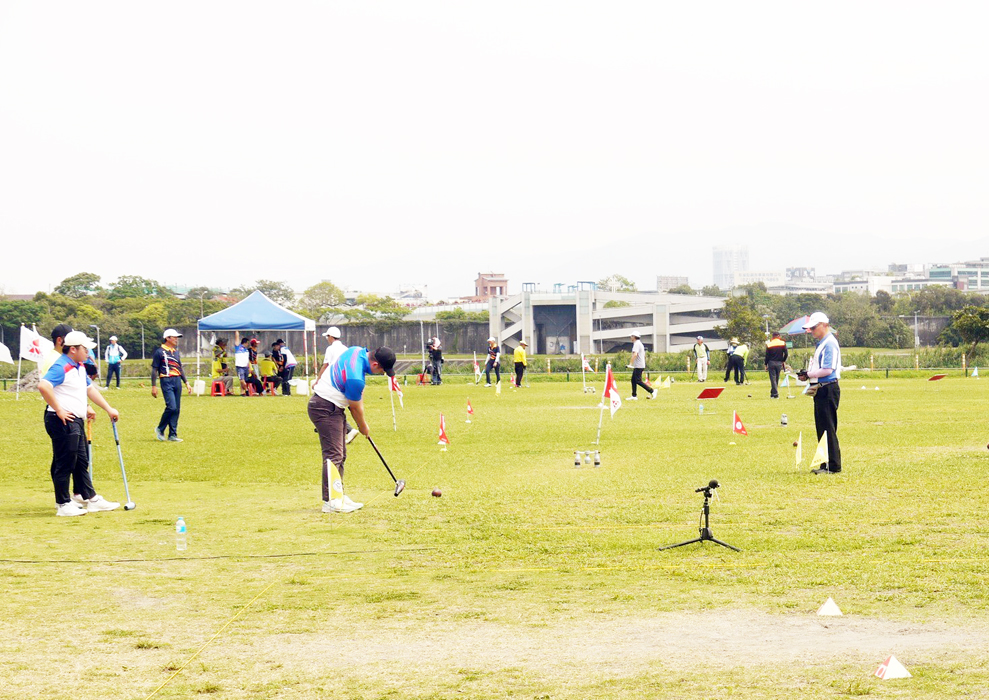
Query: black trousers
x,y
637,380
70,459
737,365
826,419
519,371
286,378
111,369
488,366
774,368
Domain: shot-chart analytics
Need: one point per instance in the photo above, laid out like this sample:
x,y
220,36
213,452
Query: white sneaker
x,y
487,385
633,398
352,504
159,435
336,505
76,498
654,394
354,432
98,503
69,509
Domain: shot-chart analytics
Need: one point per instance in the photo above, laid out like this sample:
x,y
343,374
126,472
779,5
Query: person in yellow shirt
x,y
221,370
520,362
269,372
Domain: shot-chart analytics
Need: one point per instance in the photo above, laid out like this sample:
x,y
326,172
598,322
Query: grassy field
x,y
527,578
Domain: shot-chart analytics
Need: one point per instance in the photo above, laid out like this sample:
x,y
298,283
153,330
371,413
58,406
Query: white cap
x,y
113,337
78,338
815,318
635,334
492,340
332,330
700,337
171,333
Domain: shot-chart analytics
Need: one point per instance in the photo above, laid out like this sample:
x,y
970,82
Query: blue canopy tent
x,y
258,313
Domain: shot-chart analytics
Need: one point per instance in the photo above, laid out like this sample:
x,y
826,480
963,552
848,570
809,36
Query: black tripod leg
x,y
725,544
681,544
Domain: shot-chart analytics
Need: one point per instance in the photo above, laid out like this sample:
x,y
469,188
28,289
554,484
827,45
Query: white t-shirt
x,y
333,352
640,355
242,358
290,360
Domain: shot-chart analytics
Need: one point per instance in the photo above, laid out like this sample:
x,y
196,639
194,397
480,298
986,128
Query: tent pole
x,y
199,344
305,352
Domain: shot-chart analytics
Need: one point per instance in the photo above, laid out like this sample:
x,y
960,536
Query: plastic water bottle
x,y
180,534
700,409
783,420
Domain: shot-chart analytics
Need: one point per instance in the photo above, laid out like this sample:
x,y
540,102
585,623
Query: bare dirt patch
x,y
681,641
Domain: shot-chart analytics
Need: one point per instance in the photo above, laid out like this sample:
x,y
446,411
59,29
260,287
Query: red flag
x,y
611,391
470,409
584,364
393,386
736,424
444,440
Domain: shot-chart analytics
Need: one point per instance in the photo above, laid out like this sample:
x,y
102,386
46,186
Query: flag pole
x,y
17,390
583,372
597,441
391,395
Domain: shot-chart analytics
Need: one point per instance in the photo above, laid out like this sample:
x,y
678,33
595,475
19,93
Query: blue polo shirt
x,y
70,381
343,381
828,356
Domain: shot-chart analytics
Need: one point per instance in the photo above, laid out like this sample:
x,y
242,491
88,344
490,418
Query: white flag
x,y
33,346
5,354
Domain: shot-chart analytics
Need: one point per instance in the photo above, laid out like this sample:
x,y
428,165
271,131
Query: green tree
x,y
319,299
200,292
278,292
617,283
972,324
884,301
134,286
685,289
712,290
459,316
742,322
82,284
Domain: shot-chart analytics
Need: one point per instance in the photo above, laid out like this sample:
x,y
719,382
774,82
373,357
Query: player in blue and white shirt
x,y
339,388
65,388
825,371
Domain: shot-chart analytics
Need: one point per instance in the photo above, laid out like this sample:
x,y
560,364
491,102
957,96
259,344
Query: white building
x,y
729,260
581,320
770,279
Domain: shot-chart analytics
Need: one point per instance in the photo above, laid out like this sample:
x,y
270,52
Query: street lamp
x,y
766,317
97,347
142,338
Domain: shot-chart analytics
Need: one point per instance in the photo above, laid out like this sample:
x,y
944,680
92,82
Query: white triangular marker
x,y
891,668
829,608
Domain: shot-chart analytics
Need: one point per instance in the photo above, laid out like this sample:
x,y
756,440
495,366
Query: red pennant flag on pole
x,y
444,440
584,364
393,385
611,391
470,409
736,424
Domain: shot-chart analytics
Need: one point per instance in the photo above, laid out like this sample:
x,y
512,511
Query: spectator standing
x,y
638,365
435,349
114,356
334,351
520,362
825,367
289,364
242,361
166,366
339,388
702,358
776,355
493,362
65,388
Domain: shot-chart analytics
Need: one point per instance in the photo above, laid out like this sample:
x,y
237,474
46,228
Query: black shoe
x,y
825,470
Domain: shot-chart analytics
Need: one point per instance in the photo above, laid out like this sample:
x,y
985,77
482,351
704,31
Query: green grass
x,y
528,578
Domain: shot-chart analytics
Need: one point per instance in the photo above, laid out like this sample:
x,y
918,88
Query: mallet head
x,y
399,487
130,505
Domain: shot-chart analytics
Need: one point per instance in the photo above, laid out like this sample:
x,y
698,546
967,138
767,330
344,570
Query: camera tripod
x,y
705,534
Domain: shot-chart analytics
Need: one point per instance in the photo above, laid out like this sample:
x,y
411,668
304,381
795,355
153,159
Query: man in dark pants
x,y
493,363
435,349
341,387
825,368
166,365
776,354
733,363
65,388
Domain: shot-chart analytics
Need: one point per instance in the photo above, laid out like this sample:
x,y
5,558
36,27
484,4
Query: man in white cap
x,y
65,388
493,362
333,352
166,365
638,366
824,372
702,358
114,356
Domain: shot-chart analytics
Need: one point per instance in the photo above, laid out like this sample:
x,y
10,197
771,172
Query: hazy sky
x,y
373,143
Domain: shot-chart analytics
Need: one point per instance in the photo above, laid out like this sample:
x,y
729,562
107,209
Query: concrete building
x,y
582,320
972,276
728,261
665,283
490,284
770,279
869,285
